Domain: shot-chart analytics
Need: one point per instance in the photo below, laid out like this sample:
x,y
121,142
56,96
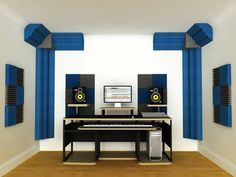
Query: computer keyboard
x,y
118,125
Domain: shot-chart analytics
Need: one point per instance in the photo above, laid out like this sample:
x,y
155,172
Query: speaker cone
x,y
80,96
155,97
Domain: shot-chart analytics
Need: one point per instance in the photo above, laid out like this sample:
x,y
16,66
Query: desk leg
x,y
72,143
171,140
71,147
137,145
64,148
163,144
64,156
169,156
97,145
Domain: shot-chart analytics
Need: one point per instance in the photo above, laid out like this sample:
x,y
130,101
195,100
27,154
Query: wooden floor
x,y
185,164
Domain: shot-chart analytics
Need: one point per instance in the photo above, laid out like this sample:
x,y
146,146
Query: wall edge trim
x,y
18,159
218,160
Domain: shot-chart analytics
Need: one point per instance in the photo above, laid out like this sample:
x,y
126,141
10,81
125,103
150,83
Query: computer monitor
x,y
117,94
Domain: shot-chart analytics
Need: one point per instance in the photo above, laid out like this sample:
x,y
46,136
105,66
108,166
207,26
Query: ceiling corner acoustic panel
x,y
222,95
201,33
190,43
14,103
35,34
46,43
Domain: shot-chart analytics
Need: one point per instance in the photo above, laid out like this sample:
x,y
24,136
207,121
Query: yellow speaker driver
x,y
155,97
80,96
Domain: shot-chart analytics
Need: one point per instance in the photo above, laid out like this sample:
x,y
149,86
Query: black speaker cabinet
x,y
158,95
79,95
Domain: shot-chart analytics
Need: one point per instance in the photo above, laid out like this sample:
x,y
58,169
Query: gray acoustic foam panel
x,y
144,80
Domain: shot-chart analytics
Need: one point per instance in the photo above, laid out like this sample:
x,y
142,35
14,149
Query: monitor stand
x,y
117,105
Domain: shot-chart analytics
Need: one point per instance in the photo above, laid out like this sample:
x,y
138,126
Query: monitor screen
x,y
117,94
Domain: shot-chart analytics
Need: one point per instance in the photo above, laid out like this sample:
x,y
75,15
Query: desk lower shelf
x,y
89,158
81,158
117,155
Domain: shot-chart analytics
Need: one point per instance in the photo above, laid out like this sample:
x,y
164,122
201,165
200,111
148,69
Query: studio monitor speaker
x,y
158,95
79,95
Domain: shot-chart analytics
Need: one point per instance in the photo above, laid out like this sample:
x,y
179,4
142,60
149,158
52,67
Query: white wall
x,y
219,142
117,59
17,142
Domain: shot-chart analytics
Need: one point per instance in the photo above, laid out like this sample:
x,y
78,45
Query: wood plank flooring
x,y
185,164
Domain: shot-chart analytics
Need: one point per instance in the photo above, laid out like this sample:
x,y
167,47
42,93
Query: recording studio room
x,y
117,88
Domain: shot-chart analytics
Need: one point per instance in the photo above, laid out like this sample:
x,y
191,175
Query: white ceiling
x,y
117,16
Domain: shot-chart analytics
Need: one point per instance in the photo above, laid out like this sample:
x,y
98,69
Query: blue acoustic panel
x,y
145,83
19,95
216,95
14,81
70,111
169,41
11,75
86,81
222,95
44,102
68,41
143,95
163,109
35,34
225,74
202,33
225,115
192,94
10,115
72,80
90,95
159,80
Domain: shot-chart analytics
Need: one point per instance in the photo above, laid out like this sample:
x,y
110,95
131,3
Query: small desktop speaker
x,y
79,95
158,95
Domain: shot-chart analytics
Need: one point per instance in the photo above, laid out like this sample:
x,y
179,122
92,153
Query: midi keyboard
x,y
117,127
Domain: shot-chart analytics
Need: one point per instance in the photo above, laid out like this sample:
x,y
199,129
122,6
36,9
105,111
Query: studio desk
x,y
75,131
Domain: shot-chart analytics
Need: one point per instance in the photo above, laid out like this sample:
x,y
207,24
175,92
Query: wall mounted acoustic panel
x,y
35,34
68,41
14,82
44,94
168,41
147,82
222,95
202,33
86,81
